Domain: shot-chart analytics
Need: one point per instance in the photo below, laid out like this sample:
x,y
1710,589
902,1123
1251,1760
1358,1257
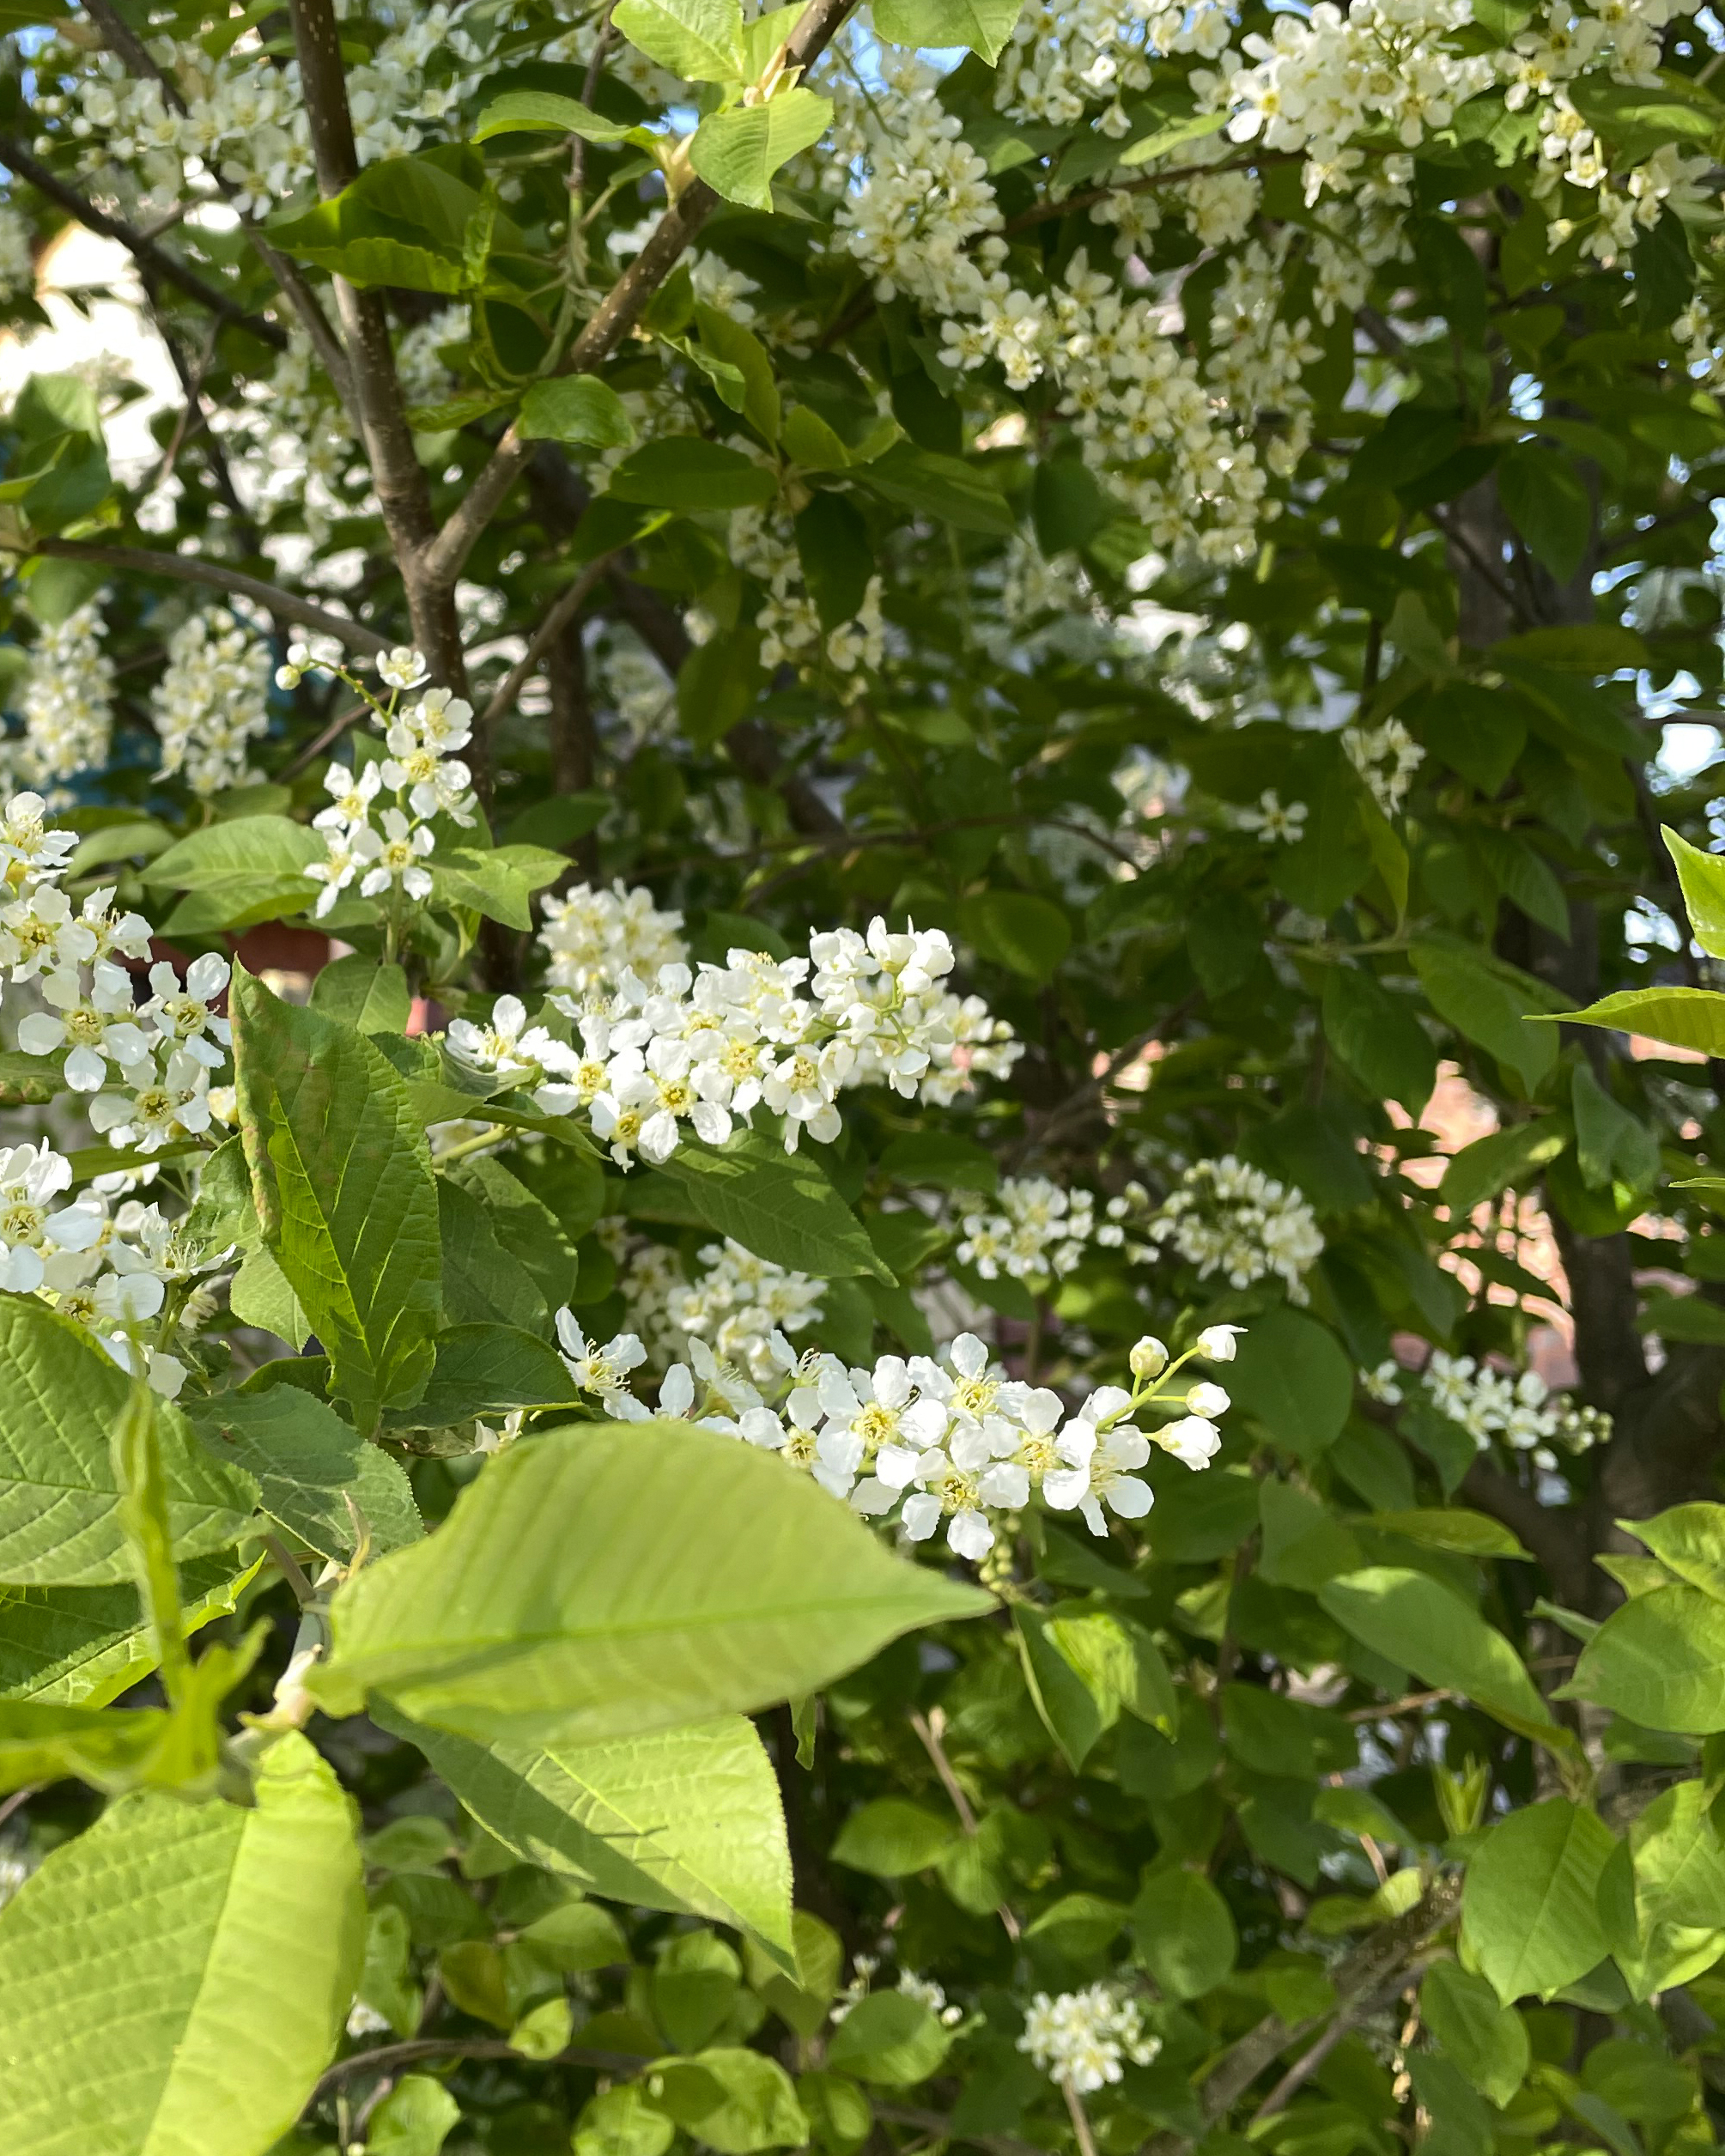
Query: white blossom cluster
x,y
244,120
67,705
705,1049
421,772
790,621
212,702
736,1303
1038,1231
595,939
1521,1410
1083,2039
924,1989
1228,1218
928,1439
1386,756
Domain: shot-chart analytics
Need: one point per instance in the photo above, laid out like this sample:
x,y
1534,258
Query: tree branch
x,y
166,268
557,619
403,492
386,2057
189,568
616,314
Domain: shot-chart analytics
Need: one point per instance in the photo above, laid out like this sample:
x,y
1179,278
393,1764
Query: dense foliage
x,y
793,1213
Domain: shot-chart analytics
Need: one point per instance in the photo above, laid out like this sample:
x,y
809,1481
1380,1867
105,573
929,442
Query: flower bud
x,y
1193,1440
288,677
1207,1400
1215,1342
1149,1359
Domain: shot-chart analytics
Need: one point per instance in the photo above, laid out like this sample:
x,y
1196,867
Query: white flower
x,y
1192,1440
1148,1359
89,1024
350,798
402,667
1208,1398
1218,1343
598,1370
185,1016
1082,2039
397,856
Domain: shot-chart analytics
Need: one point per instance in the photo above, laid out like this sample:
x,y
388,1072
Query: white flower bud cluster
x,y
212,702
1521,1410
1082,2040
1038,1232
67,703
930,1439
707,1050
1386,757
421,771
1229,1219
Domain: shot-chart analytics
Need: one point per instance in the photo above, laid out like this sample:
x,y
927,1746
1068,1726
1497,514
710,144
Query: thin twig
x,y
18,1799
290,1567
615,316
191,569
1080,2116
1344,2023
557,619
930,1728
1405,1706
143,249
387,2056
326,740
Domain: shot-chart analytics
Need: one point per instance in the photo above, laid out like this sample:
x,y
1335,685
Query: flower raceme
x,y
927,1439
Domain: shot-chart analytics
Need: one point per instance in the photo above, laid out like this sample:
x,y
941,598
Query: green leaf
x,y
342,1179
251,869
1529,1906
1703,878
1486,2041
1293,1374
579,409
1501,1160
737,152
1659,1659
84,1646
1688,1540
699,40
415,2119
1379,1038
496,881
1018,929
1453,1528
732,2100
684,1819
1681,1018
779,1205
489,1369
741,350
177,1977
307,1461
893,1836
61,1397
986,25
482,1283
945,487
1548,504
1067,1707
412,221
545,112
1481,1006
1410,1620
687,471
1679,1891
613,1579
890,2039
1184,1933
1193,129
369,997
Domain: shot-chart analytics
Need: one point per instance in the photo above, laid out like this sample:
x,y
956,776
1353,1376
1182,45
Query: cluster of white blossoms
x,y
1386,756
67,705
706,1048
790,621
931,1439
1037,1231
924,1989
243,120
1083,2039
735,1303
595,939
1518,1409
421,773
1228,1218
212,702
